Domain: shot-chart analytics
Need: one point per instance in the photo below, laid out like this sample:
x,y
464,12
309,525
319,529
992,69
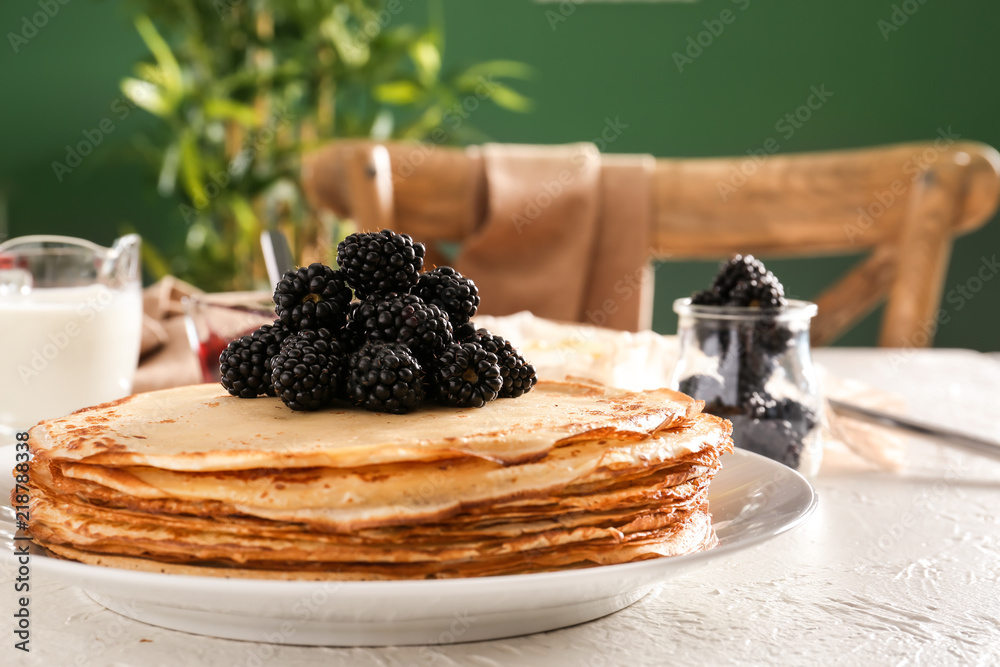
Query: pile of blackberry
x,y
748,354
406,338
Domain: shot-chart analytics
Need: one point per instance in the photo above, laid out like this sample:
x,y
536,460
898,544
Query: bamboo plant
x,y
244,87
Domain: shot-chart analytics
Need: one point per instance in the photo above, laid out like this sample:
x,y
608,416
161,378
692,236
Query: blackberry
x,y
312,297
308,371
740,269
245,363
518,375
707,297
774,428
385,377
360,322
770,293
450,291
743,281
716,337
760,405
465,333
773,438
467,376
766,293
380,262
771,336
757,360
401,318
801,417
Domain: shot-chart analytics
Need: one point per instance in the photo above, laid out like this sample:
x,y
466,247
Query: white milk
x,y
64,348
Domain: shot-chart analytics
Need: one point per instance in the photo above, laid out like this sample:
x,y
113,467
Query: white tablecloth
x,y
892,569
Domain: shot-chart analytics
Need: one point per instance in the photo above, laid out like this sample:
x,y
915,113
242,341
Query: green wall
x,y
614,60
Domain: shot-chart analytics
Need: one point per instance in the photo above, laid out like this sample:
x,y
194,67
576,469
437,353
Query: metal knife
x,y
277,255
945,436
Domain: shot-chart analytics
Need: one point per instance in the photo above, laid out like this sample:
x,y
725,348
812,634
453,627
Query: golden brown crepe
x,y
201,427
193,480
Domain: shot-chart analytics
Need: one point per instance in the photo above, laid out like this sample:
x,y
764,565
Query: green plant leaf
x,y
245,217
198,236
149,72
351,46
192,174
510,69
427,60
420,128
148,96
172,81
227,109
400,92
166,183
508,98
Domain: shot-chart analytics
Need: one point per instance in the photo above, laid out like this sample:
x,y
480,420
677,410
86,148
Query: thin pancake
x,y
200,428
111,533
679,539
400,493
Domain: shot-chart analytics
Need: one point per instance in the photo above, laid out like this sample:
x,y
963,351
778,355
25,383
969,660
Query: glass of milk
x,y
70,326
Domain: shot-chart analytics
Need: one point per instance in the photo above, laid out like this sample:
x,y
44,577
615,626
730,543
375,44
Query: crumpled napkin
x,y
165,358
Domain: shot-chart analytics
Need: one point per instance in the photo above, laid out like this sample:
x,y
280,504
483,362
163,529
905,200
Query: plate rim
x,y
65,569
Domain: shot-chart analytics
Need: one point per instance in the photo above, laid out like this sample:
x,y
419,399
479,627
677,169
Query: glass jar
x,y
754,368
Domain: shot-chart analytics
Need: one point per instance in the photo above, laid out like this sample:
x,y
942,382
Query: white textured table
x,y
893,569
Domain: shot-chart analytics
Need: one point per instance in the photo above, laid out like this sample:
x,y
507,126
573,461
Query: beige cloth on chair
x,y
166,358
566,235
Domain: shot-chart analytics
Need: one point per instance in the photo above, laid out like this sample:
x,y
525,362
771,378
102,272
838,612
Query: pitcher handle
x,y
122,260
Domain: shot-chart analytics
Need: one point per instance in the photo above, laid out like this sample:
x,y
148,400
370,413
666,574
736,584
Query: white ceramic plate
x,y
752,499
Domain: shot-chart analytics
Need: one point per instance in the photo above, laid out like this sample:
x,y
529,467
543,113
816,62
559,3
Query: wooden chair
x,y
905,201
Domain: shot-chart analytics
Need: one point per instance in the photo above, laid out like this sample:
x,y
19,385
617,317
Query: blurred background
x,y
120,116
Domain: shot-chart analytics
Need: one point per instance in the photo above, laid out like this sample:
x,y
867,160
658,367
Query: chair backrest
x,y
906,201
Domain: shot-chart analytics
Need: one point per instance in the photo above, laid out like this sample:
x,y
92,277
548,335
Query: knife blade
x,y
945,436
277,255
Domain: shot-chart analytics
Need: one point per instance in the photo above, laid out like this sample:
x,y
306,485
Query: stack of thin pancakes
x,y
194,481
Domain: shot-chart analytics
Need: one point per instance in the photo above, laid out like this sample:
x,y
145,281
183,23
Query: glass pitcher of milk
x,y
70,326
